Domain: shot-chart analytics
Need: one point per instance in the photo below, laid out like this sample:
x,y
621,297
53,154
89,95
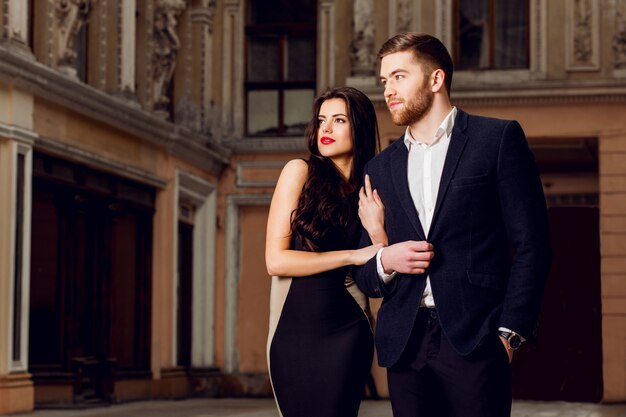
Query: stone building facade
x,y
140,141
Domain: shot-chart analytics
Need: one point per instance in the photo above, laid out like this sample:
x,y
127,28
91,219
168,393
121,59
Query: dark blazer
x,y
489,232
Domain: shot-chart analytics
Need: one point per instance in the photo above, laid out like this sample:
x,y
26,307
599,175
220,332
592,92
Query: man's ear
x,y
437,80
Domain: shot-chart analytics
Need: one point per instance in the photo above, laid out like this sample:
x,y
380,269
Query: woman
x,y
320,343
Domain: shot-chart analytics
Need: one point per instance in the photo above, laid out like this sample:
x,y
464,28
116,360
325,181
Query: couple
x,y
442,209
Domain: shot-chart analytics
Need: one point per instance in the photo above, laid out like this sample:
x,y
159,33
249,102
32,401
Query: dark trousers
x,y
432,380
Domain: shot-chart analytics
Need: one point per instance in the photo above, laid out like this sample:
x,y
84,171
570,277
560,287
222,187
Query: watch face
x,y
515,341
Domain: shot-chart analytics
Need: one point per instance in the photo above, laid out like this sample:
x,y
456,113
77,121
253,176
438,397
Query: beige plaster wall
x,y
55,122
613,243
254,291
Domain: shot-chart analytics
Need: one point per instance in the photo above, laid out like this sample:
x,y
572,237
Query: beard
x,y
415,109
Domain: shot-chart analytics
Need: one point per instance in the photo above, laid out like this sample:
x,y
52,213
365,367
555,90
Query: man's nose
x,y
389,91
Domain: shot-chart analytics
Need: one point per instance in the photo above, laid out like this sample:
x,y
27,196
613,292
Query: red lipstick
x,y
326,140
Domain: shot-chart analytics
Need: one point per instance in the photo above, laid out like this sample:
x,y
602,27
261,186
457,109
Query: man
x,y
469,248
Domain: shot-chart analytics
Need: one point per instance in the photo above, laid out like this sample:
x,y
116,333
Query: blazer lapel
x,y
458,140
398,168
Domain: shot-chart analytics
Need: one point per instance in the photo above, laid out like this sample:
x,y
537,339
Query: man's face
x,y
408,92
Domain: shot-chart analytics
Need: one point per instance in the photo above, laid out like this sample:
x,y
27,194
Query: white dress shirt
x,y
424,168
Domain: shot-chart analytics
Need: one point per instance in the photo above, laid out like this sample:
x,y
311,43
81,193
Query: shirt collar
x,y
445,127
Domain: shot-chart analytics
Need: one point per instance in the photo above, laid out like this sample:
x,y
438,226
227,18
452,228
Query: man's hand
x,y
410,257
509,351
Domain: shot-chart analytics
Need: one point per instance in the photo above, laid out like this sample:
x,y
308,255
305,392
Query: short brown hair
x,y
427,49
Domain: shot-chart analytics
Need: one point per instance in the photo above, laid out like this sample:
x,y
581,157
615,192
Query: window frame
x,y
283,32
456,10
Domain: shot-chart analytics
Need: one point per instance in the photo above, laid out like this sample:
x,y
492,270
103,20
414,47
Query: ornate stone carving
x,y
619,37
71,15
404,15
362,55
211,10
166,47
582,32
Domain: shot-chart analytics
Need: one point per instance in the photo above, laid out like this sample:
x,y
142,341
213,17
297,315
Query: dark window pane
x,y
185,283
124,290
263,59
511,34
46,307
17,270
474,34
492,34
301,58
263,112
298,105
282,11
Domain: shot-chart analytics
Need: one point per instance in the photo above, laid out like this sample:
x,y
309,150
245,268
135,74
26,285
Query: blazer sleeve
x,y
525,217
366,276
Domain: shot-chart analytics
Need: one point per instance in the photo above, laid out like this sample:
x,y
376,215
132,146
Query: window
x,y
280,66
90,293
185,287
491,34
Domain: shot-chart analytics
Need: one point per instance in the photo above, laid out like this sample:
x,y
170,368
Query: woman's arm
x,y
279,258
372,213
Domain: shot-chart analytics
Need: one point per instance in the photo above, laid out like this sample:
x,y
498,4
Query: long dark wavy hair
x,y
328,202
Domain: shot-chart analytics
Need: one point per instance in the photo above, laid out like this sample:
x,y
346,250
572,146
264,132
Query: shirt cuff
x,y
385,278
504,329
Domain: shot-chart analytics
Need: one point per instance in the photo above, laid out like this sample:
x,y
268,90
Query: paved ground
x,y
266,408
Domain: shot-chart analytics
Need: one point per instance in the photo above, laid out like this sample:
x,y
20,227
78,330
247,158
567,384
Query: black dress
x,y
321,350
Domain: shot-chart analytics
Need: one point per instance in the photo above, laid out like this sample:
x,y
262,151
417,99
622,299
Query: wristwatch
x,y
513,339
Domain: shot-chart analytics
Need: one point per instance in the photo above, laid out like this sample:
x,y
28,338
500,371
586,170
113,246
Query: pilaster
x,y
14,24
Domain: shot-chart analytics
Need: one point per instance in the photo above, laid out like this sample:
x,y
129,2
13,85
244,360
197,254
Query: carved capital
x,y
71,16
166,47
205,15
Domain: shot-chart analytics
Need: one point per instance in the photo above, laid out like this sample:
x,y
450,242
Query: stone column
x,y
127,41
326,44
16,140
202,21
232,70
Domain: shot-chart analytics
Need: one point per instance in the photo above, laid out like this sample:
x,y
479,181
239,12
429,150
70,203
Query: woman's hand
x,y
372,213
361,256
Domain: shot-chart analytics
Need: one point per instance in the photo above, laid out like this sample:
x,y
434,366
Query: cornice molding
x,y
531,93
75,154
18,134
113,111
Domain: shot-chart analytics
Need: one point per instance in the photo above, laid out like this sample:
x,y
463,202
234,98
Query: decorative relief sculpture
x,y
166,46
619,37
362,56
211,9
582,33
404,15
72,15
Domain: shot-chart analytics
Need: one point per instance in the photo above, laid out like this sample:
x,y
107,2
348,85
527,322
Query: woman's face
x,y
334,133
